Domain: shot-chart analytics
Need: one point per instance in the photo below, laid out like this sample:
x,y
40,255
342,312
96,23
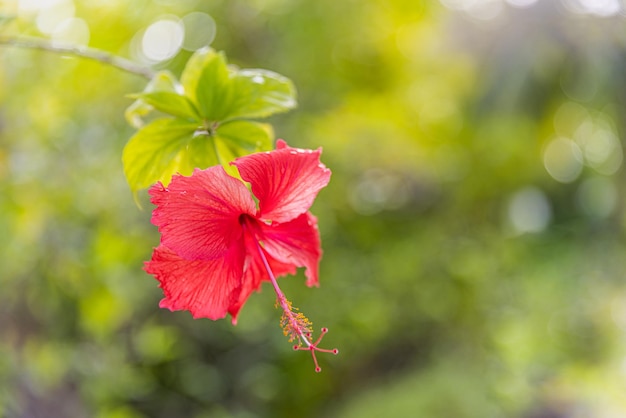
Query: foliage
x,y
205,118
460,276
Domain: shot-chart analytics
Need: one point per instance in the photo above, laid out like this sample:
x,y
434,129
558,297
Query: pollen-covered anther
x,y
314,346
293,323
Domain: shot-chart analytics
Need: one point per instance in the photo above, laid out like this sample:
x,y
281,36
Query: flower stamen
x,y
313,347
295,324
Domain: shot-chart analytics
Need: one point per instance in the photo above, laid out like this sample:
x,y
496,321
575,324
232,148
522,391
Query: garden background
x,y
473,229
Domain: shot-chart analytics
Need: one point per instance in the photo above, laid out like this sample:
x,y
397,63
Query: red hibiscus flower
x,y
217,246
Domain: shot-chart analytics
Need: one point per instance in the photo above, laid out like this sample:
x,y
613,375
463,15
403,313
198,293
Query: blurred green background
x,y
473,229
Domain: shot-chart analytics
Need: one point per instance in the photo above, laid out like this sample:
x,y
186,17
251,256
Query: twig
x,y
81,52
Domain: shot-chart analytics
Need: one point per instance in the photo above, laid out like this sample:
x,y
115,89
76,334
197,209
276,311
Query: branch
x,y
81,52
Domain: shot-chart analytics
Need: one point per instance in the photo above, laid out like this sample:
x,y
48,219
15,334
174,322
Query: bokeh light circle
x,y
51,14
162,39
563,159
529,210
200,29
73,31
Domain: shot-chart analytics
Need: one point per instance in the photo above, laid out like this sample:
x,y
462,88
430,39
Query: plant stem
x,y
81,52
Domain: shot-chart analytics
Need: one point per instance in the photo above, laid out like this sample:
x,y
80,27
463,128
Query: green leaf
x,y
156,152
167,146
261,93
238,138
201,153
207,129
221,93
171,103
135,113
245,137
206,80
163,81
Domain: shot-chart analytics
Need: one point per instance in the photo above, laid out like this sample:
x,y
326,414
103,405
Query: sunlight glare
x,y
600,146
529,210
163,39
602,8
563,160
51,14
521,3
73,31
568,118
200,30
26,7
478,9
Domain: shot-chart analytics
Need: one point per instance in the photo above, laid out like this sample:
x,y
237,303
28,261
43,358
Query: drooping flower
x,y
218,246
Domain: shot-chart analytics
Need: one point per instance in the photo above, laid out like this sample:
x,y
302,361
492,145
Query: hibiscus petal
x,y
198,216
286,180
255,273
296,242
206,288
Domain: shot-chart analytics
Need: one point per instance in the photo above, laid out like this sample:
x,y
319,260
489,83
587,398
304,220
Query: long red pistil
x,y
295,325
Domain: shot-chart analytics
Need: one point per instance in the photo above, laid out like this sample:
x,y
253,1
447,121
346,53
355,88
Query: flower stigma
x,y
295,324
